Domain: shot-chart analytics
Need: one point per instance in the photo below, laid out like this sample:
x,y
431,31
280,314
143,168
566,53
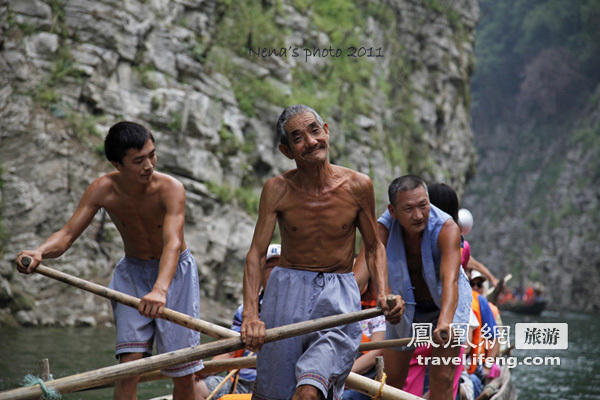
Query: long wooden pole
x,y
368,386
210,367
117,372
355,382
176,317
216,366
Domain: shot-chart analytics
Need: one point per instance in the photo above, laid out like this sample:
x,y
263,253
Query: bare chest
x,y
332,214
136,215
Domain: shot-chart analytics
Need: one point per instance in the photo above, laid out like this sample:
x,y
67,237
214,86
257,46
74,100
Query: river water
x,y
74,350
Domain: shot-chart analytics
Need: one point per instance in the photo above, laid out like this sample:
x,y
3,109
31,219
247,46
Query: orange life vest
x,y
476,340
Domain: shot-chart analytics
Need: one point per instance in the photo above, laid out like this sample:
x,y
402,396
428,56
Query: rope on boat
x,y
49,393
380,391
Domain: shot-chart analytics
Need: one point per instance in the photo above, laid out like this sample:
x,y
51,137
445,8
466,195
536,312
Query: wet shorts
x,y
136,333
322,359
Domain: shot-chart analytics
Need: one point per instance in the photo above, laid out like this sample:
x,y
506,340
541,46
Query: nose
x,y
311,141
418,214
147,165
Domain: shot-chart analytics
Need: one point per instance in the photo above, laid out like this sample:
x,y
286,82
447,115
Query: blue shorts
x,y
136,333
322,359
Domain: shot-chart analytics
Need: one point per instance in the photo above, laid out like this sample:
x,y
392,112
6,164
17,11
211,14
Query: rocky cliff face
x,y
69,69
536,205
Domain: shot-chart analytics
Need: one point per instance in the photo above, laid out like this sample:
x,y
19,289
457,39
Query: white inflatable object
x,y
465,220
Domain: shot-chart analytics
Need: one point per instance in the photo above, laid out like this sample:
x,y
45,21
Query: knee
x,y
307,392
127,357
396,369
184,381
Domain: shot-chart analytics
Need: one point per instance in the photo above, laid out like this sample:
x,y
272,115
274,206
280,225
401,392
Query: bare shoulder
x,y
278,185
450,232
170,190
103,186
360,183
167,182
451,227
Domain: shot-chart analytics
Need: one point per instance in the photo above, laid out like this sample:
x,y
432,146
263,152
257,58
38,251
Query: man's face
x,y
308,141
411,210
138,165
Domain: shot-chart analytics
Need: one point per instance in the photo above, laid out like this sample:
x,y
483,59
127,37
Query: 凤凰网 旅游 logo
x,y
542,336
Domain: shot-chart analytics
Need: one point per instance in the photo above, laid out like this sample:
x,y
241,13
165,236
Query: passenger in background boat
x,y
318,207
423,251
148,209
205,384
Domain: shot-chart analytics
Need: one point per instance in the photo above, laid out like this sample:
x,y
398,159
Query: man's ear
x,y
326,128
286,151
392,211
117,165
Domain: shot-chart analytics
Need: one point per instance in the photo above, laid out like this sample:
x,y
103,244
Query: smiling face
x,y
138,165
308,140
411,209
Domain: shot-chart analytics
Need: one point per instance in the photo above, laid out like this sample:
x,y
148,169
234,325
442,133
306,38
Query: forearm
x,y
495,349
55,245
449,299
478,266
252,281
377,265
364,363
169,261
361,271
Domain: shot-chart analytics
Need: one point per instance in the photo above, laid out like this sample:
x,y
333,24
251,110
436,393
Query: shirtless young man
x,y
318,207
148,209
423,254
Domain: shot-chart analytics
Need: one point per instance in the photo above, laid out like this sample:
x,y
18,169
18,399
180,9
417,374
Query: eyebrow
x,y
143,156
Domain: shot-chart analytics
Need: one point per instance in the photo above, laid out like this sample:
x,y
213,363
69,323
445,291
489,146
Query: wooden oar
x,y
117,372
176,317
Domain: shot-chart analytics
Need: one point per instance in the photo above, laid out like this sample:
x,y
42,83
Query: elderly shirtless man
x,y
318,207
148,209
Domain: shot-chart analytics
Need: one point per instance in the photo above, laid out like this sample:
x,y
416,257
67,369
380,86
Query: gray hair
x,y
405,183
287,114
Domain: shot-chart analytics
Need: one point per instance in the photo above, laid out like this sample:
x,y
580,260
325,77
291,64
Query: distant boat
x,y
518,306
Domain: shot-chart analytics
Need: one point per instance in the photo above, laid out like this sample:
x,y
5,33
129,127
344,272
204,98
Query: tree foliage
x,y
522,43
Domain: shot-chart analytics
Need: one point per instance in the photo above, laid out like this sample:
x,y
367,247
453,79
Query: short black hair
x,y
123,136
444,197
404,183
